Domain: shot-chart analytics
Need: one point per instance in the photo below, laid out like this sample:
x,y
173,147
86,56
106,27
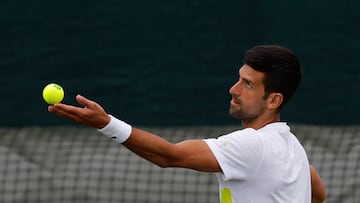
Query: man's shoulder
x,y
241,132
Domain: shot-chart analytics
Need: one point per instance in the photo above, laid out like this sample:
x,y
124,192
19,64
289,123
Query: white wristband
x,y
116,129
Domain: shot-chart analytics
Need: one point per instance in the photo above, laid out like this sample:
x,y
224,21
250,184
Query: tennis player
x,y
261,163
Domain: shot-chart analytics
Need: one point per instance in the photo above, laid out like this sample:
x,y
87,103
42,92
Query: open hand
x,y
91,113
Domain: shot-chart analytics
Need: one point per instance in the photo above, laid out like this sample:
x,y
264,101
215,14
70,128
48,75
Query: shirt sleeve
x,y
239,154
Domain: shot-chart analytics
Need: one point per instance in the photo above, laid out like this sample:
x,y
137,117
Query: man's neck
x,y
261,122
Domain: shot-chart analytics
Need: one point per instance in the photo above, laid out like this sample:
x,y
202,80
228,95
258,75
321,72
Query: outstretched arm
x,y
194,154
318,193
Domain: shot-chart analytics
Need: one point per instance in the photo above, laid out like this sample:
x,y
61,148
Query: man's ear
x,y
274,100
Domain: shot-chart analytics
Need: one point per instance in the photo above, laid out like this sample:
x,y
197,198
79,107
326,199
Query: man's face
x,y
248,101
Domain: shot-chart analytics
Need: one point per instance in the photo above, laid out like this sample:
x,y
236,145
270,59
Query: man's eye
x,y
248,84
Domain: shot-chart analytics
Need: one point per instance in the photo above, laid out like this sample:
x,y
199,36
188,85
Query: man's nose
x,y
235,89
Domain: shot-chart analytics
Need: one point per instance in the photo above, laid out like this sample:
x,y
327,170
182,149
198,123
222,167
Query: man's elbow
x,y
319,198
318,191
319,195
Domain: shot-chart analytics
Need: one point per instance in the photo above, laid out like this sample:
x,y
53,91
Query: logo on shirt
x,y
226,195
224,143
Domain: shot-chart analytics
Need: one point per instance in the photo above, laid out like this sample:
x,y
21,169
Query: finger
x,y
84,101
72,117
64,108
54,107
69,112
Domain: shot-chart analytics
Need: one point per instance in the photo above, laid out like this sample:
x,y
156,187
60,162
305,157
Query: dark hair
x,y
282,69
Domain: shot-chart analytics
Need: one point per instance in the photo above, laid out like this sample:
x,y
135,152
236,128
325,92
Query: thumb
x,y
82,100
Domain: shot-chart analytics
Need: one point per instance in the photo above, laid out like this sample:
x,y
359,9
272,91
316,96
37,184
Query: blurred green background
x,y
171,63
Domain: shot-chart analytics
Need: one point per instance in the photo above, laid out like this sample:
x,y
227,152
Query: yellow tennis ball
x,y
53,93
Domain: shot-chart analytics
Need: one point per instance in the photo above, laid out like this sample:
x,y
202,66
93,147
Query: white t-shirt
x,y
268,165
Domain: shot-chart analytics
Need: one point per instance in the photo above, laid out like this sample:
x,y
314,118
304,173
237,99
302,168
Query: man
x,y
264,162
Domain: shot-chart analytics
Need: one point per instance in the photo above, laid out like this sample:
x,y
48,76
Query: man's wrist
x,y
117,130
